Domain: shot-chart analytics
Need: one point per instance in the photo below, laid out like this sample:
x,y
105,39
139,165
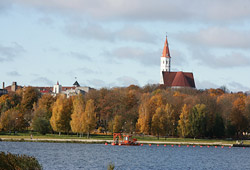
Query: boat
x,y
123,139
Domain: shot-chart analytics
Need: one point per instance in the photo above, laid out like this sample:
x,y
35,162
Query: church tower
x,y
165,60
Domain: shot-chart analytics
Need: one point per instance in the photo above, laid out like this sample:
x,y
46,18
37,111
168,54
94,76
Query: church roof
x,y
76,84
178,79
165,52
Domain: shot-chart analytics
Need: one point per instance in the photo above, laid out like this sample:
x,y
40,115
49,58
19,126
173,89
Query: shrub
x,y
111,166
19,162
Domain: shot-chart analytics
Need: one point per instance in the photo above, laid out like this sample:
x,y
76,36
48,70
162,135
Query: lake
x,y
55,156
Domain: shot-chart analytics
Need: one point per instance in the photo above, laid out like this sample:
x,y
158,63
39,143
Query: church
x,y
173,79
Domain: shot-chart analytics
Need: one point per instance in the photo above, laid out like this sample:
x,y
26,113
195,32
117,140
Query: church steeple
x,y
165,60
165,52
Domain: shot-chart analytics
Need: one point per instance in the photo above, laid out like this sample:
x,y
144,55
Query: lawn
x,y
36,135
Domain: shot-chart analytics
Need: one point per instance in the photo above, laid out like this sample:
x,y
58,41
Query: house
x,y
173,79
55,90
3,91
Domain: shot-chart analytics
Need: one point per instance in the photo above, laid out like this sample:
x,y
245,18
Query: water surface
x,y
98,156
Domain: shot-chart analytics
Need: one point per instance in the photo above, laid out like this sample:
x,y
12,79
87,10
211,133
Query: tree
x,y
41,125
157,124
197,120
169,120
46,102
117,124
89,117
8,120
183,123
78,112
30,96
237,117
61,114
144,117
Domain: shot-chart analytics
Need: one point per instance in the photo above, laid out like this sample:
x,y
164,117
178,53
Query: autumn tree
x,y
61,114
8,120
169,120
116,125
77,115
158,121
130,114
30,96
9,101
89,118
42,114
154,102
183,123
144,117
238,118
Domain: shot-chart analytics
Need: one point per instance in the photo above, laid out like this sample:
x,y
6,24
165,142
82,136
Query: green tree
x,y
197,120
41,125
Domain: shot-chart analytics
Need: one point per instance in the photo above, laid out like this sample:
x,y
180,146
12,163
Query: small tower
x,y
165,60
57,88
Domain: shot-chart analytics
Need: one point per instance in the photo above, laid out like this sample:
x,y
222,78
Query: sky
x,y
116,43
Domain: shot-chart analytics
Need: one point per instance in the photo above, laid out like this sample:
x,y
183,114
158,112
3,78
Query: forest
x,y
149,110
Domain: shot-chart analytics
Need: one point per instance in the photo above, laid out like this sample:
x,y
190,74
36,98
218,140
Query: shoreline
x,y
99,141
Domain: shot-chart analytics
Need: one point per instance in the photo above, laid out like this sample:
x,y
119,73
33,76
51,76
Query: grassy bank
x,y
36,137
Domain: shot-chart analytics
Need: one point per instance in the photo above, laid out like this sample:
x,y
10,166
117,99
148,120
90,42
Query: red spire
x,y
166,52
57,83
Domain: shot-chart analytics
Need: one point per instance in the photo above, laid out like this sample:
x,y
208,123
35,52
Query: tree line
x,y
149,110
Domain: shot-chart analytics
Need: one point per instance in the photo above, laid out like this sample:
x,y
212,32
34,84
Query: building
x,y
3,91
173,79
55,90
12,88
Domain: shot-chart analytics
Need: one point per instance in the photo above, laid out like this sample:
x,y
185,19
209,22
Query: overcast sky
x,y
107,43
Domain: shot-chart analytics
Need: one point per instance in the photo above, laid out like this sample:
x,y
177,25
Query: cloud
x,y
148,10
90,31
205,84
4,5
13,74
135,33
230,60
80,56
8,53
96,83
86,70
178,58
46,20
217,37
93,31
235,86
126,81
42,81
138,54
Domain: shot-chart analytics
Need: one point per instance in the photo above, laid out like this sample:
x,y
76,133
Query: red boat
x,y
119,139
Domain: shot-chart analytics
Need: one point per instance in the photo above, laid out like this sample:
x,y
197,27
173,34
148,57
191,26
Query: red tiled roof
x,y
178,79
8,88
165,52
